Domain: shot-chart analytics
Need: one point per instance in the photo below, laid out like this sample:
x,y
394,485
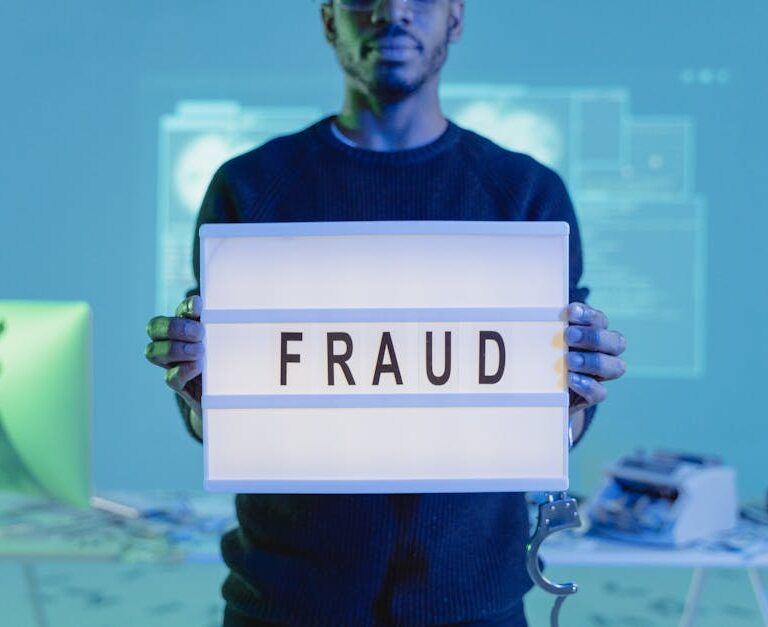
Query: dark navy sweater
x,y
381,559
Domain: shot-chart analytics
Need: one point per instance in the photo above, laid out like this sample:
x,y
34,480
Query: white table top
x,y
746,546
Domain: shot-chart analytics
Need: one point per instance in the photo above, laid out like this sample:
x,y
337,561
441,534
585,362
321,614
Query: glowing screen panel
x,y
642,221
615,163
194,141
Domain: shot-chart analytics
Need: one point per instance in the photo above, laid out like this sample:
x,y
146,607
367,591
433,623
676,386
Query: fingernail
x,y
575,334
582,381
578,311
576,359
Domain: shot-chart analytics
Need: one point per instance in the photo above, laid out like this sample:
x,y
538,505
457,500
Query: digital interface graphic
x,y
631,178
194,141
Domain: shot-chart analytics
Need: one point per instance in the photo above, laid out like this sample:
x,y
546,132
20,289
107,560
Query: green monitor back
x,y
45,399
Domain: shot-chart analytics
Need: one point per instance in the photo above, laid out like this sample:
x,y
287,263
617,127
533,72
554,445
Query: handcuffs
x,y
557,513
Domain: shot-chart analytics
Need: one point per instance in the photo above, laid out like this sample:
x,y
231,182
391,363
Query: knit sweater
x,y
381,559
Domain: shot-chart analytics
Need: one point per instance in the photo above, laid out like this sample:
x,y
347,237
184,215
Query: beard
x,y
387,81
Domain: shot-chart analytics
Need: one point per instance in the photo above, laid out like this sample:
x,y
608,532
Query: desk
x,y
145,527
746,547
48,549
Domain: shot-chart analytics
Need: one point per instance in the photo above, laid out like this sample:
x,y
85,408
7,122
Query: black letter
x,y
443,378
485,336
339,359
285,357
386,345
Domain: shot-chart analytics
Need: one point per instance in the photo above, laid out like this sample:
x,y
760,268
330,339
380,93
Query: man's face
x,y
392,48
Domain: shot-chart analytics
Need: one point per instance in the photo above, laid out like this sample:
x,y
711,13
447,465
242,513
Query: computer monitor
x,y
45,399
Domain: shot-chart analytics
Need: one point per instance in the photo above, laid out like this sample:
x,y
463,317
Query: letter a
x,y
386,347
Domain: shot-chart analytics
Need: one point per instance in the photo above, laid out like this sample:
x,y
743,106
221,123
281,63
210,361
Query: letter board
x,y
394,357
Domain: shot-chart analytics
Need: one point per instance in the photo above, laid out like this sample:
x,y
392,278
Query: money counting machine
x,y
665,499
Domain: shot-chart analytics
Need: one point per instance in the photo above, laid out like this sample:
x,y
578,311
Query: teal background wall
x,y
85,83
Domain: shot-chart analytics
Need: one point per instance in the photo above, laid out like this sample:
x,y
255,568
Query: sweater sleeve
x,y
552,202
218,206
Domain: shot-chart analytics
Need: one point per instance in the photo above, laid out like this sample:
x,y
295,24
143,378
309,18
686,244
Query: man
x,y
390,154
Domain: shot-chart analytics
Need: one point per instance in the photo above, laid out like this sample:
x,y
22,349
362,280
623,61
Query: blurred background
x,y
114,115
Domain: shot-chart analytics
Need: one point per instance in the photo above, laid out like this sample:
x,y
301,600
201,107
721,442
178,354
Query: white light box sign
x,y
385,357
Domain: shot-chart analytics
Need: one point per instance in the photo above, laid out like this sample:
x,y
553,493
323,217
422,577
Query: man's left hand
x,y
593,356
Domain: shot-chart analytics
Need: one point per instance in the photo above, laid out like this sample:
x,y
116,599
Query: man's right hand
x,y
177,346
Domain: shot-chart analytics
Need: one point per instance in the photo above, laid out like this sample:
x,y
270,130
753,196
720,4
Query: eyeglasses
x,y
369,5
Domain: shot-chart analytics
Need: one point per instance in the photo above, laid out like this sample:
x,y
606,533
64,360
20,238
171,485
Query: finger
x,y
580,313
598,364
157,328
182,329
596,340
190,307
593,392
178,376
166,353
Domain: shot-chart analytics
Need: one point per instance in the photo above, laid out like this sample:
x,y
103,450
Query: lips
x,y
394,44
399,43
394,50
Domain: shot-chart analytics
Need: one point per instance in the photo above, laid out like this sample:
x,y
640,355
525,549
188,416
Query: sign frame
x,y
341,402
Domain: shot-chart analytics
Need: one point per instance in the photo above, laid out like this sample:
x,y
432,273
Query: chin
x,y
392,88
391,93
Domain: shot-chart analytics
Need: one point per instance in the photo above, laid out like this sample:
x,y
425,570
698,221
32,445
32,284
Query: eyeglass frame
x,y
426,5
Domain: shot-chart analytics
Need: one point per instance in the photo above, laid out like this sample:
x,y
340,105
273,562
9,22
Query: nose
x,y
392,11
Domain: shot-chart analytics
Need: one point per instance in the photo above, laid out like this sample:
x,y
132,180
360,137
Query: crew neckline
x,y
324,129
341,136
